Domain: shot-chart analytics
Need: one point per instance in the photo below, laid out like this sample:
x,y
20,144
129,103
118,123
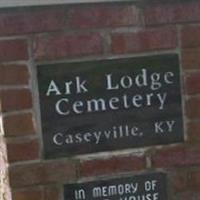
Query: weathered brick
x,y
15,100
51,193
67,45
192,83
193,132
14,75
172,13
42,173
28,194
31,20
191,195
18,125
11,50
97,16
179,181
191,108
111,165
146,40
23,150
195,179
190,36
176,157
191,58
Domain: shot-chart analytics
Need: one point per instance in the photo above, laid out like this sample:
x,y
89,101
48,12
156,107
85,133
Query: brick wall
x,y
32,36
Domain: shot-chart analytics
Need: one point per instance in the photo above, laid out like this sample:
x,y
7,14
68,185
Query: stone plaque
x,y
141,187
110,105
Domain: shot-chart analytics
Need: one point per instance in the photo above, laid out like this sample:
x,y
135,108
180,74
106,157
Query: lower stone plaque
x,y
151,186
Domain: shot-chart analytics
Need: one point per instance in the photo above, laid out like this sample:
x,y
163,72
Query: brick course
x,y
13,50
190,58
14,75
190,36
147,40
23,150
176,157
18,22
19,125
31,194
112,165
12,100
42,173
67,46
172,13
191,108
193,83
104,16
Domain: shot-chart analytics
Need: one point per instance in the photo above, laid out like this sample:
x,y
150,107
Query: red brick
x,y
23,150
42,173
51,193
169,157
195,179
111,165
172,13
193,83
37,193
18,125
179,181
191,58
67,45
193,132
14,75
31,20
11,50
192,110
176,157
146,40
190,36
189,195
28,194
97,16
15,100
